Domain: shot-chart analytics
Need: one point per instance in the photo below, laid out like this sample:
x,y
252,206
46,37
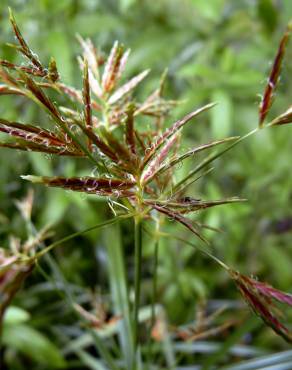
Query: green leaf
x,y
33,344
119,290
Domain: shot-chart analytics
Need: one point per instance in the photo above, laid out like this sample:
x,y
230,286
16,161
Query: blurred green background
x,y
216,50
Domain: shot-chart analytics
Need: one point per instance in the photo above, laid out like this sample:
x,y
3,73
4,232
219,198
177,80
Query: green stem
x,y
138,265
154,294
154,283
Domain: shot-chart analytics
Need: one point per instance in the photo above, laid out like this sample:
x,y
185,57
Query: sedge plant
x,y
134,167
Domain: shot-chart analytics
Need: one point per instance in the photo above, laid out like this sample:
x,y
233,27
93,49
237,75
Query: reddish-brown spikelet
x,y
180,218
90,185
284,118
33,147
30,133
260,297
273,79
127,87
111,69
129,128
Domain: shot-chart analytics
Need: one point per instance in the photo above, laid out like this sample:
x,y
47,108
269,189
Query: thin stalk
x,y
154,283
154,293
212,157
71,236
138,265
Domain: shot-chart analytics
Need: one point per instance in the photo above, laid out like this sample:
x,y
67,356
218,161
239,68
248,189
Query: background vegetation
x,y
217,50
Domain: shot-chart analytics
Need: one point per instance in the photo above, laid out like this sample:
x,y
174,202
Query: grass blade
x,y
119,290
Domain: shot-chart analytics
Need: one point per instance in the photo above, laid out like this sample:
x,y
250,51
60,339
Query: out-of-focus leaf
x,y
15,315
209,9
126,4
268,14
33,344
58,45
221,114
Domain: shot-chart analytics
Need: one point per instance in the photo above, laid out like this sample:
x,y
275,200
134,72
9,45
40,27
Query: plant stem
x,y
138,265
154,295
154,283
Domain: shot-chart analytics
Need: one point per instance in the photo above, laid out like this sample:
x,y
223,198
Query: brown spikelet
x,y
87,100
129,128
24,48
6,90
154,165
31,71
76,95
121,151
53,74
159,140
187,204
101,145
180,158
180,218
273,79
40,95
8,79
